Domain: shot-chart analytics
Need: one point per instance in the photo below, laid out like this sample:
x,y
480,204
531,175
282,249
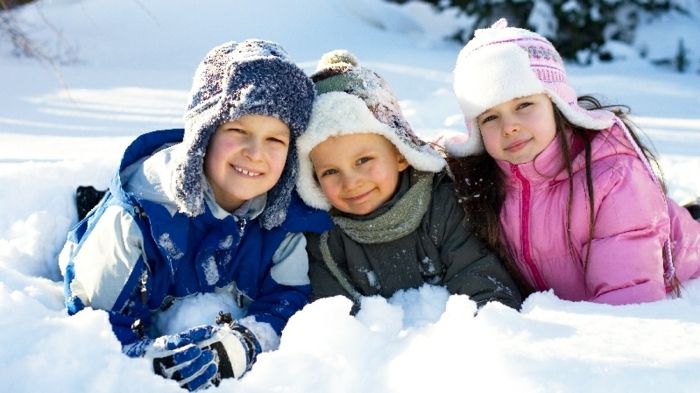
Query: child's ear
x,y
403,163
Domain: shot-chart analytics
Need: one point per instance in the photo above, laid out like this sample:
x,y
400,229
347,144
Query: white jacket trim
x,y
106,258
291,262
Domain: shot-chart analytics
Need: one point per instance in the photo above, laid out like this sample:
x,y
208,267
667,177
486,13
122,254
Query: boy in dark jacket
x,y
397,221
207,209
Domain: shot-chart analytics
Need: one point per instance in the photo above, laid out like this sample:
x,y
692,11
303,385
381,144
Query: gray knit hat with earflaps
x,y
355,100
253,77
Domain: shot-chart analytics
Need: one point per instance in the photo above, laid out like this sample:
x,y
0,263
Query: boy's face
x,y
245,158
518,130
357,172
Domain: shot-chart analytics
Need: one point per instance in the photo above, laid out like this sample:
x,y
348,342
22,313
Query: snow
x,y
132,64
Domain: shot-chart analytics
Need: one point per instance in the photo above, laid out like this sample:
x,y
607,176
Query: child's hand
x,y
202,356
179,357
234,346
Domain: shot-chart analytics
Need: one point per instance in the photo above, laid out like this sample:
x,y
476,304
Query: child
x,y
208,210
397,222
568,192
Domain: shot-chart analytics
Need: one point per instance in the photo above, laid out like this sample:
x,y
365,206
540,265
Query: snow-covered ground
x,y
134,62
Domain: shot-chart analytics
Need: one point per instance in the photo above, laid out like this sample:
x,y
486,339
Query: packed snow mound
x,y
136,61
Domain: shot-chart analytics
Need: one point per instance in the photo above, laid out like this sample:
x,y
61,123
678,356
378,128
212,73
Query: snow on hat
x,y
502,63
355,100
252,77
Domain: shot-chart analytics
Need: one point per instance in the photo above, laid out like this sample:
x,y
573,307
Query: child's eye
x,y
329,172
363,160
487,119
282,142
524,105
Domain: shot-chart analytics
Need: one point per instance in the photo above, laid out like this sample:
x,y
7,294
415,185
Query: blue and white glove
x,y
202,356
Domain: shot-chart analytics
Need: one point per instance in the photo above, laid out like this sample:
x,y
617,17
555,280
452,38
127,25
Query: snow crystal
x,y
211,271
428,265
371,278
226,242
169,246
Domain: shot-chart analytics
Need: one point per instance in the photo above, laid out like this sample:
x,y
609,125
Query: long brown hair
x,y
480,187
480,192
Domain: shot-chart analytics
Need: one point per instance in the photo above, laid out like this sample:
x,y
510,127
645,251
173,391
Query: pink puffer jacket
x,y
626,264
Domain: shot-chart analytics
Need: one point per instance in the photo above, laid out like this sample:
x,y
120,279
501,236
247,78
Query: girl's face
x,y
518,130
357,172
245,158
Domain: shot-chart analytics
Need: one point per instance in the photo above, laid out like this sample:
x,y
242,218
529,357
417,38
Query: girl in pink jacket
x,y
561,185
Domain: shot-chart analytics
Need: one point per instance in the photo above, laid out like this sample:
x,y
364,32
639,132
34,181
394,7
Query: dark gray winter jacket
x,y
361,257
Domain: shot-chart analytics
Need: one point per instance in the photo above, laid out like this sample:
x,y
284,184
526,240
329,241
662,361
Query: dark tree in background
x,y
580,28
585,25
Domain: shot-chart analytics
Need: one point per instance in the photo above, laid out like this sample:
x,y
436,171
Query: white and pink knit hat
x,y
502,63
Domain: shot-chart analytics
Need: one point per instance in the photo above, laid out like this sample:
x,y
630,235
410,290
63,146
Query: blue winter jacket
x,y
175,255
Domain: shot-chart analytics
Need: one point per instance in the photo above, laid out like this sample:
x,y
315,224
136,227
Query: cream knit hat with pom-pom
x,y
353,100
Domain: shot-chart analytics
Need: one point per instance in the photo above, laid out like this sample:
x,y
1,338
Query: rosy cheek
x,y
326,186
280,156
488,139
218,154
229,144
278,159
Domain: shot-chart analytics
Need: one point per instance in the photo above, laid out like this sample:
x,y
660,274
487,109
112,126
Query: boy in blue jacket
x,y
210,208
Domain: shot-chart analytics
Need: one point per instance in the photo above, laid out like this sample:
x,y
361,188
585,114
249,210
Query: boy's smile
x,y
246,172
357,172
245,158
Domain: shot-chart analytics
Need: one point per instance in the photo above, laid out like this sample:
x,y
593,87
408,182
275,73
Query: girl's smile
x,y
518,145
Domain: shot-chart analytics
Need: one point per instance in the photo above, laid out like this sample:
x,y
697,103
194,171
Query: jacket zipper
x,y
525,228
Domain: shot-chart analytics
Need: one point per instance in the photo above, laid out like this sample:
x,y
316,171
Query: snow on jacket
x,y
442,250
135,253
632,215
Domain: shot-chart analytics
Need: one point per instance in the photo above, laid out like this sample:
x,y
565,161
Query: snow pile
x,y
136,64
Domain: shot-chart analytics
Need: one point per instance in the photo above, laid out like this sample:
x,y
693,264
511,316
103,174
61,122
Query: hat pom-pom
x,y
335,58
500,24
486,33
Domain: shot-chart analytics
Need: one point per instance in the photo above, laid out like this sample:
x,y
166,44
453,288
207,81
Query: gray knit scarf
x,y
400,220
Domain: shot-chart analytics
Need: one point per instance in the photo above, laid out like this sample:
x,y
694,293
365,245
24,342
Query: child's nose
x,y
253,149
350,180
509,125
